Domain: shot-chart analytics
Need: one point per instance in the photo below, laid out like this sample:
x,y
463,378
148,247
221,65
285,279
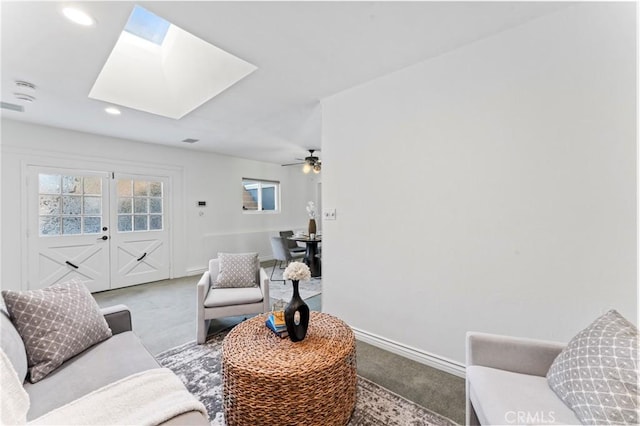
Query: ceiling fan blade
x,y
291,164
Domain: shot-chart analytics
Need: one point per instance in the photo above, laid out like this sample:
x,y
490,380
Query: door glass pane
x,y
155,222
124,205
92,224
140,223
49,225
124,223
155,189
49,184
92,185
155,205
71,225
92,205
124,188
140,205
140,188
71,204
49,204
71,185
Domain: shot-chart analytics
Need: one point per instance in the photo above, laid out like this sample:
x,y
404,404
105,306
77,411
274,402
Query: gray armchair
x,y
226,302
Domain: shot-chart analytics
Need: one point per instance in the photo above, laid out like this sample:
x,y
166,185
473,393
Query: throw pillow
x,y
596,375
237,270
55,324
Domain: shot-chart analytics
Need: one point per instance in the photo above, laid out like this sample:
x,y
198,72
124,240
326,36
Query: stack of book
x,y
275,322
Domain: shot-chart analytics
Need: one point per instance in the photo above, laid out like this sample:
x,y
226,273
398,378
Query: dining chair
x,y
291,245
282,254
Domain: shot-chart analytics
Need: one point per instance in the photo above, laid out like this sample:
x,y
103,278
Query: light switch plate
x,y
329,214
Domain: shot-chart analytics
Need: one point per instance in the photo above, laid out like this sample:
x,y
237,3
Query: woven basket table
x,y
272,381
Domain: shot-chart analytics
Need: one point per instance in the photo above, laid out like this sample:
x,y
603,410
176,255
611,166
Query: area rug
x,y
198,366
283,290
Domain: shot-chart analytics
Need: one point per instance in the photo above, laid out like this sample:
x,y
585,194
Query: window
x,y
69,205
260,195
139,205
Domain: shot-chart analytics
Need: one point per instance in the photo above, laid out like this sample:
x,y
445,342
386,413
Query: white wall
x,y
495,188
195,176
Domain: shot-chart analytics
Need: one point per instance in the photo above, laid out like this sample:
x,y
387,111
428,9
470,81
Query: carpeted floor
x,y
198,366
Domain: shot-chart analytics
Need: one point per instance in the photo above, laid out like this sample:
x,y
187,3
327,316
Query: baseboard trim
x,y
196,271
444,364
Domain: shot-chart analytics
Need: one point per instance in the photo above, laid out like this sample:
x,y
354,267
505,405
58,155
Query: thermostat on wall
x,y
202,204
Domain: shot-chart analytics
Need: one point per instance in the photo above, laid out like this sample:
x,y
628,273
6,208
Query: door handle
x,y
104,238
142,257
71,264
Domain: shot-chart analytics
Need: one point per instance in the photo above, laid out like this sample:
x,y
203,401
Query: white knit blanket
x,y
147,398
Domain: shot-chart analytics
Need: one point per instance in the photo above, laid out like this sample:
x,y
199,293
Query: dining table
x,y
311,256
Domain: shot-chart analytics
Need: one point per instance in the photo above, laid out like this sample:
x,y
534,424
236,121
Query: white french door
x,y
140,235
107,230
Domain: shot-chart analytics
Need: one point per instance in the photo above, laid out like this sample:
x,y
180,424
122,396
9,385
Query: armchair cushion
x,y
597,373
237,270
232,296
55,323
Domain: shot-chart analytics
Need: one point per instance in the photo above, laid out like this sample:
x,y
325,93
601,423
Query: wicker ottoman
x,y
272,381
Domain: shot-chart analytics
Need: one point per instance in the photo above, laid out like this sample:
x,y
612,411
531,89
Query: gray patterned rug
x,y
284,290
199,368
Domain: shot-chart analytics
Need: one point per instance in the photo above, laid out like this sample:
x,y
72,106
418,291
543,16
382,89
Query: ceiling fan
x,y
309,163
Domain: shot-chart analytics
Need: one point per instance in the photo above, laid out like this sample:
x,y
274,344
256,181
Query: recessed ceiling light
x,y
78,16
112,110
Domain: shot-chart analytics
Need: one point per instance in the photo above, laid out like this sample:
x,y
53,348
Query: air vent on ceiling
x,y
12,107
190,140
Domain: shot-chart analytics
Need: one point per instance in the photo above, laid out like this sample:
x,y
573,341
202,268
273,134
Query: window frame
x,y
267,183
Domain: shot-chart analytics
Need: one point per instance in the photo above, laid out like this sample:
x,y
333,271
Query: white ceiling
x,y
304,51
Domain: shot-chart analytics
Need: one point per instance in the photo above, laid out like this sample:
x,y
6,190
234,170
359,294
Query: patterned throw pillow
x,y
237,270
596,375
55,324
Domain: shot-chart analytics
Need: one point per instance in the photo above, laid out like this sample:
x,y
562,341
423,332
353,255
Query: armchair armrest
x,y
118,318
203,287
516,354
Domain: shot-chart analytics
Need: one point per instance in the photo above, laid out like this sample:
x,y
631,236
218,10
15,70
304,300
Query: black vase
x,y
297,331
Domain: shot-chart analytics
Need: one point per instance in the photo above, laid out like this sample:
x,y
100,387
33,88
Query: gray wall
x,y
492,188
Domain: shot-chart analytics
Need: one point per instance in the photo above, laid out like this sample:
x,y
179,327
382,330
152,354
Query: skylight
x,y
146,25
158,67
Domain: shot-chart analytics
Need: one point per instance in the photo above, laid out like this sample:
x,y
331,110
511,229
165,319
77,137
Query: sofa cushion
x,y
232,296
237,270
502,397
13,346
100,365
55,323
597,373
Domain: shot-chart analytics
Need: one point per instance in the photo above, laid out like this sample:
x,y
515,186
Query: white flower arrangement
x,y
311,209
297,271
